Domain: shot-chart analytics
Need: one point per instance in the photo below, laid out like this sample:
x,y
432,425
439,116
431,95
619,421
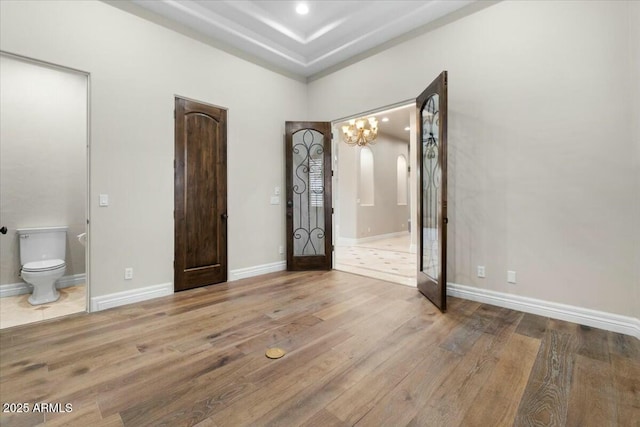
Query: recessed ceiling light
x,y
302,9
385,119
407,128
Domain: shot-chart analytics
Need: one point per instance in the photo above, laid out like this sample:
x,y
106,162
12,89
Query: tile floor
x,y
386,259
16,310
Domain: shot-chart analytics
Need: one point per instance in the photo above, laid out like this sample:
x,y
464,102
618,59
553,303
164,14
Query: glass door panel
x,y
308,193
308,169
431,107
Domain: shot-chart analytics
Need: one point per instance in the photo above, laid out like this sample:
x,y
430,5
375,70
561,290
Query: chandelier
x,y
359,132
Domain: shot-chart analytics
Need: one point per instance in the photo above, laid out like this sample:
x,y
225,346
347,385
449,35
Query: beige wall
x,y
43,158
543,174
385,216
346,191
634,46
136,69
544,159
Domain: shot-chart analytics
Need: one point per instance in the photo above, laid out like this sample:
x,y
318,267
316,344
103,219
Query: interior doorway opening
x,y
375,197
44,186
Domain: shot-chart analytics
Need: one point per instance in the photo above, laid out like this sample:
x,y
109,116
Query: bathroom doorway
x,y
375,198
44,140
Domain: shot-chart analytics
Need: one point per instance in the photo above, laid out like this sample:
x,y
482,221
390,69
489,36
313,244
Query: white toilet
x,y
42,254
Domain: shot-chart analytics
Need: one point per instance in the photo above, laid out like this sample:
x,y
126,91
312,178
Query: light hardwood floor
x,y
359,352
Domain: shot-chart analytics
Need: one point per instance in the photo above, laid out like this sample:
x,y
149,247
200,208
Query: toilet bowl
x,y
42,255
42,275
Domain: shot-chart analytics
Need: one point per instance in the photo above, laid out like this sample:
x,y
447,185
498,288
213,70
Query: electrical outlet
x,y
481,272
511,276
281,249
128,273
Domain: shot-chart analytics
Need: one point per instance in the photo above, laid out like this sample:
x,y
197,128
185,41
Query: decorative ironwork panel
x,y
431,179
308,193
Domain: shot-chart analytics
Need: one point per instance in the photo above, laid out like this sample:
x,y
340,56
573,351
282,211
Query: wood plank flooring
x,y
359,352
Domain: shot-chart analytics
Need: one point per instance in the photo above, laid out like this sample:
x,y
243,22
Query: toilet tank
x,y
37,244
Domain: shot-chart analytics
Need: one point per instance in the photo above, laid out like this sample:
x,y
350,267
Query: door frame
x,y
414,178
335,159
88,197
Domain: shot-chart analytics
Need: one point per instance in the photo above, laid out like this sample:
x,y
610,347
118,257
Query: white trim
x,y
128,297
583,316
72,280
257,270
348,241
13,289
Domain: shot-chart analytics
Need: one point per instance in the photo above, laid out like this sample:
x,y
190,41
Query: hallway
x,y
387,259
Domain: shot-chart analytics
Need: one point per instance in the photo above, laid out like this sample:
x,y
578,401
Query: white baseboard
x,y
583,316
13,289
348,241
257,270
73,280
128,297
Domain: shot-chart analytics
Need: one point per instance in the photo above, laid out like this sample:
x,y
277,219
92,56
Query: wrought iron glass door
x,y
308,170
431,107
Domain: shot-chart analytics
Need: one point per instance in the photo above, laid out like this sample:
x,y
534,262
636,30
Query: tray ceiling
x,y
332,32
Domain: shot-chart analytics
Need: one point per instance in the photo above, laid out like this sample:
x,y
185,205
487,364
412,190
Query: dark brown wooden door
x,y
308,176
200,195
431,107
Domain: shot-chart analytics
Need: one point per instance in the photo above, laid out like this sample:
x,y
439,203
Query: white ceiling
x,y
399,119
304,45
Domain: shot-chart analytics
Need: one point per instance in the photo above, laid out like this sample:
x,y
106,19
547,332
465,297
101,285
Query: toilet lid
x,y
44,265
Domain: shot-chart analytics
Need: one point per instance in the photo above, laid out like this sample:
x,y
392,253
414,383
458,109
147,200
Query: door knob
x,y
224,216
290,203
3,230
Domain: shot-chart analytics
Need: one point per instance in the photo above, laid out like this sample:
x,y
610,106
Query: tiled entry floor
x,y
386,259
16,310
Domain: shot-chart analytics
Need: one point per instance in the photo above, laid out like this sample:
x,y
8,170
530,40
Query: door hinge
x,y
331,173
408,168
174,114
332,210
174,163
333,248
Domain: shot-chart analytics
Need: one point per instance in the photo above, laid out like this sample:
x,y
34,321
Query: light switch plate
x,y
276,191
511,276
275,200
104,200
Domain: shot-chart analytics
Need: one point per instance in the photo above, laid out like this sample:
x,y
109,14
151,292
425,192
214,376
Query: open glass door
x,y
308,178
431,124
